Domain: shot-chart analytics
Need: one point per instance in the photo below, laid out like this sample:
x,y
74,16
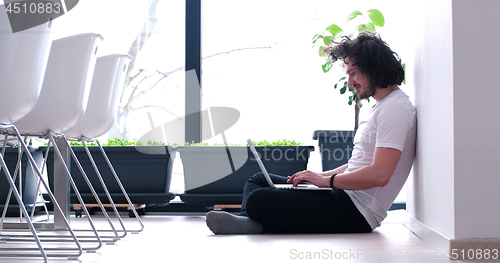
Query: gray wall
x,y
454,188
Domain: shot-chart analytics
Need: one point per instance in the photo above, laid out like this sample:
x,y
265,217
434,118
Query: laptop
x,y
280,186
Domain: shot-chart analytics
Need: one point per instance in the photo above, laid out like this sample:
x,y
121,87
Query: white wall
x,y
477,128
430,190
454,190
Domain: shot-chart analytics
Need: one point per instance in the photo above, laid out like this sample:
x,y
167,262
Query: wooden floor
x,y
185,238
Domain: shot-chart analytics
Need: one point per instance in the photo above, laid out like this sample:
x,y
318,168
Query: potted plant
x,y
217,174
145,176
336,146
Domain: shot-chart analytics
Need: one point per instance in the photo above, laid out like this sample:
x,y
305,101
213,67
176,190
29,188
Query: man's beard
x,y
367,93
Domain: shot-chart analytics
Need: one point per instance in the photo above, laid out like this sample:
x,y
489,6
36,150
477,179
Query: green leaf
x,y
343,90
341,79
327,66
376,17
316,37
370,26
404,69
333,29
361,28
354,15
320,51
327,40
350,100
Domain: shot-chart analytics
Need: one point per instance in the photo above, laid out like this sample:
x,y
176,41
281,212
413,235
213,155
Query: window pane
x,y
258,59
156,85
152,31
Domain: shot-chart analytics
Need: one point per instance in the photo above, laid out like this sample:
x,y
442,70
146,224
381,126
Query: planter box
x,y
29,190
335,147
209,177
145,177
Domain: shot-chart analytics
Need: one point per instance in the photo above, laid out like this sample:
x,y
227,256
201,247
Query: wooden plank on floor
x,y
223,207
136,206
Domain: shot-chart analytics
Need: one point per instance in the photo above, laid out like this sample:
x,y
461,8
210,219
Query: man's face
x,y
359,81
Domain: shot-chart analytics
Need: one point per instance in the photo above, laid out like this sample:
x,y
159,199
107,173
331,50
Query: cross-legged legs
x,y
266,209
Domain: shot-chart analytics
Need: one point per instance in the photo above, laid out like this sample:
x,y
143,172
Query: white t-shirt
x,y
390,124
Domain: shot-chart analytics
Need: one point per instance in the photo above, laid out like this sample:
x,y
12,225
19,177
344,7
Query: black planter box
x,y
335,147
29,191
145,177
199,161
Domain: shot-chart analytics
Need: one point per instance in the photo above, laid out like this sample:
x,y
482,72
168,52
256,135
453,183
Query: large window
x,y
257,57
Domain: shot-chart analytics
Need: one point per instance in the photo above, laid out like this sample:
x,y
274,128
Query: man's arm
x,y
337,170
377,174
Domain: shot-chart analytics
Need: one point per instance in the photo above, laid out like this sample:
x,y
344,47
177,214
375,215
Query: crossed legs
x,y
266,209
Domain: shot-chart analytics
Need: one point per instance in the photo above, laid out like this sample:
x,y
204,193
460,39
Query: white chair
x,y
66,86
23,60
105,93
62,104
104,99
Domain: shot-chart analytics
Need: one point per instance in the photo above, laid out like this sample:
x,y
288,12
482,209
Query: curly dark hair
x,y
373,57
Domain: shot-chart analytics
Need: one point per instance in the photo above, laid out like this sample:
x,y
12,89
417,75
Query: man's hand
x,y
309,177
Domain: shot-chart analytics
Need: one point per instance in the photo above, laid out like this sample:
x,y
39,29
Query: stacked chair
x,y
62,104
50,89
23,60
100,116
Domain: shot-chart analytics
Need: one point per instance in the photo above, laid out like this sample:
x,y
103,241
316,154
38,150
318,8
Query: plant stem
x,y
356,114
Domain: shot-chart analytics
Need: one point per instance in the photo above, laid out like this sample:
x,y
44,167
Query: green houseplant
x,y
336,146
216,174
333,33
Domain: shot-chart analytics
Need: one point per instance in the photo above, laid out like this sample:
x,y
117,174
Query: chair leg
x,y
121,187
14,177
23,209
103,184
39,184
13,130
89,184
75,189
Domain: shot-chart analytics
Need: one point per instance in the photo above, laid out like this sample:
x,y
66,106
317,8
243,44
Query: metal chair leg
x,y
89,184
75,189
121,187
13,130
23,209
103,184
